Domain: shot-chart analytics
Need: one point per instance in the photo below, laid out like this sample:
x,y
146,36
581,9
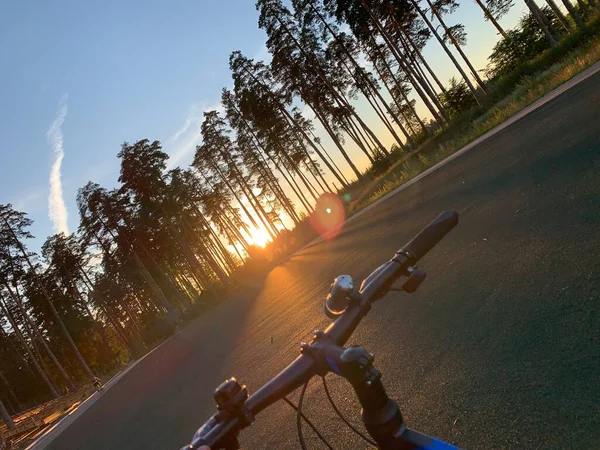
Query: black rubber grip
x,y
429,236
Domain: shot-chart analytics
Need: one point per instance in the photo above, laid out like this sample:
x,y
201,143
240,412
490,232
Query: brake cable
x,y
341,416
300,415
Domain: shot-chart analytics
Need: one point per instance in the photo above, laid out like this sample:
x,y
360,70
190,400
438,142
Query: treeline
x,y
165,244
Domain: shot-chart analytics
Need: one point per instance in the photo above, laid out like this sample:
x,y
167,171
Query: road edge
x,y
46,439
556,92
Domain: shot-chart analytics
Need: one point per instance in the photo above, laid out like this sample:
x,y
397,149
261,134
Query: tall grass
x,y
578,51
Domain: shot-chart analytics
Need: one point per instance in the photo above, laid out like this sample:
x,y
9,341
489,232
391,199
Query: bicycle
x,y
236,409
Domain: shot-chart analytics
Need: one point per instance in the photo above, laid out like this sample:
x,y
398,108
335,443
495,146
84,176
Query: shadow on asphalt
x,y
498,349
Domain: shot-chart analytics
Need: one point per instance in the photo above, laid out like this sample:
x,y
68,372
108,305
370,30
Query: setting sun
x,y
260,237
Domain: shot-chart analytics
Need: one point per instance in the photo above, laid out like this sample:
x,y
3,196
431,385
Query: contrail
x,y
57,210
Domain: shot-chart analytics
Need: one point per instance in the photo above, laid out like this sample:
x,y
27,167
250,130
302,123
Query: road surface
x,y
500,348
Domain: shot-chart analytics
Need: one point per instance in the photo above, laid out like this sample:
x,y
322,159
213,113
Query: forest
x,y
167,243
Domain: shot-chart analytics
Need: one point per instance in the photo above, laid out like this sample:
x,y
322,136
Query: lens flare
x,y
329,216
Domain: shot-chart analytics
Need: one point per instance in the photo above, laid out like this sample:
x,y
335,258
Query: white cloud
x,y
57,210
184,140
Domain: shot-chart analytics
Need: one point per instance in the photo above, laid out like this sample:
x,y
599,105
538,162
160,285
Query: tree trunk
x,y
399,88
17,352
365,79
134,349
573,13
559,15
298,128
427,98
120,333
458,47
254,201
146,276
52,308
291,119
37,335
262,152
489,16
446,49
396,100
34,360
337,142
419,72
6,417
190,256
235,194
292,183
417,52
353,131
336,95
14,398
331,160
156,290
542,21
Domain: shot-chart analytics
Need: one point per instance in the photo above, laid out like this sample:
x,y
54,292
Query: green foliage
x,y
522,44
457,98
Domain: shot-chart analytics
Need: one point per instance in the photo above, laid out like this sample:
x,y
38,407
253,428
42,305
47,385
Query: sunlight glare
x,y
260,237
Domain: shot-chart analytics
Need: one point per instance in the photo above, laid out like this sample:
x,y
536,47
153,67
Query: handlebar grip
x,y
429,236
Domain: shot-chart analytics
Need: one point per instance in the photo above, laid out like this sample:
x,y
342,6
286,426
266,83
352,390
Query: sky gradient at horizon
x,y
80,79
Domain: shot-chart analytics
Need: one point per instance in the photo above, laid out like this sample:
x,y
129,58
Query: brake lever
x,y
412,283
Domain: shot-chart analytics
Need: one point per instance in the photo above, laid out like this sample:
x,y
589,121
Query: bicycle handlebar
x,y
429,236
304,366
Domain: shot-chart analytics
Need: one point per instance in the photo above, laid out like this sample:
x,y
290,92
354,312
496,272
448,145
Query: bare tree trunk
x,y
457,46
34,360
6,417
344,154
559,15
399,88
365,79
446,49
156,290
59,320
292,182
407,41
331,160
573,13
14,398
398,102
262,152
427,98
120,334
235,194
359,138
337,142
489,16
17,352
339,98
36,335
542,21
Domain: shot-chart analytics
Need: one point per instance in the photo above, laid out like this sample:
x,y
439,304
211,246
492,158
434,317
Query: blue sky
x,y
80,78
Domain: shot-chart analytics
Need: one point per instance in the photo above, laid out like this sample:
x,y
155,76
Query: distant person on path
x,y
97,383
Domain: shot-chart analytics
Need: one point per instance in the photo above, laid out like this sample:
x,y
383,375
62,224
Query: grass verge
x,y
529,89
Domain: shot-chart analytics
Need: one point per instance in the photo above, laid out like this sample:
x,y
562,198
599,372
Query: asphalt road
x,y
500,348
